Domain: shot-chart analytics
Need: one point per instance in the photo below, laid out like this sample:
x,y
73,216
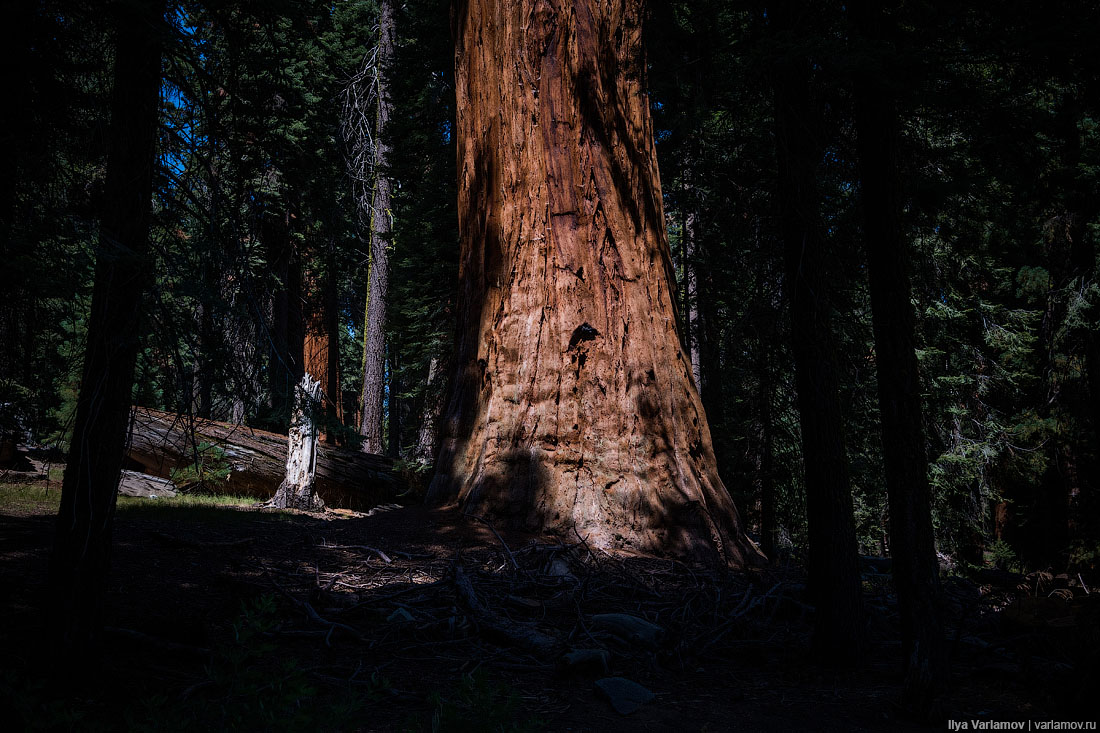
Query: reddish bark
x,y
573,406
321,354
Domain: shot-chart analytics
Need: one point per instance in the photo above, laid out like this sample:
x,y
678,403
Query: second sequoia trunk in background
x,y
573,408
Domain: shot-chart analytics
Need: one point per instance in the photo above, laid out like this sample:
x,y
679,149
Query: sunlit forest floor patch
x,y
223,616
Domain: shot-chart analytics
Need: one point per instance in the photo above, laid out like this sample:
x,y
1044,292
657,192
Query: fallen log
x,y
144,486
163,441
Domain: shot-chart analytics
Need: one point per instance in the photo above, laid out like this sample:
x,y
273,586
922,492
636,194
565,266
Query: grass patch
x,y
194,507
21,498
189,501
36,498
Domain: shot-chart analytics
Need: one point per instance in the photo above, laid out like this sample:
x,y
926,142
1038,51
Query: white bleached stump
x,y
297,489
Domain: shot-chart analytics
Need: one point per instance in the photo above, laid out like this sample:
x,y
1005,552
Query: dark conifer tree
x,y
833,561
915,567
81,552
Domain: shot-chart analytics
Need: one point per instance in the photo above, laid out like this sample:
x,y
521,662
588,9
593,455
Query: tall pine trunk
x,y
912,544
80,559
573,408
381,224
427,437
712,387
833,559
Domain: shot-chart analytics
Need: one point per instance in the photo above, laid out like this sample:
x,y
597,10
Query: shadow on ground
x,y
240,619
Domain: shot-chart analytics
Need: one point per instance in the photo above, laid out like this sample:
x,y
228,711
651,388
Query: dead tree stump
x,y
297,489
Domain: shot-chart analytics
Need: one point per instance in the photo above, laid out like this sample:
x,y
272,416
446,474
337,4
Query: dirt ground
x,y
422,619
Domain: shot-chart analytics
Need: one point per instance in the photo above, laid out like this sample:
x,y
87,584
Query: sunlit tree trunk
x,y
321,354
81,552
573,408
298,489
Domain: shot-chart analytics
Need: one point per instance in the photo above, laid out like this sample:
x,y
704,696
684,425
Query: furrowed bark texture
x,y
378,278
912,543
573,405
81,553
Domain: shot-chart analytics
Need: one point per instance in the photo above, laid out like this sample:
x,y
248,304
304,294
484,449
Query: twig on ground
x,y
380,553
385,558
503,544
389,596
520,635
311,612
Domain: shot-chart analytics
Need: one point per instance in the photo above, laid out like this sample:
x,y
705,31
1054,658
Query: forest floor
x,y
236,618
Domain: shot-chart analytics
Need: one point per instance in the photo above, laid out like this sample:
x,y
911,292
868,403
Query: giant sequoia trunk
x,y
81,551
833,560
573,407
915,568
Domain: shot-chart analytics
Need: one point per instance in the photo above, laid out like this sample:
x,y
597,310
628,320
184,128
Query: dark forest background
x,y
256,231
